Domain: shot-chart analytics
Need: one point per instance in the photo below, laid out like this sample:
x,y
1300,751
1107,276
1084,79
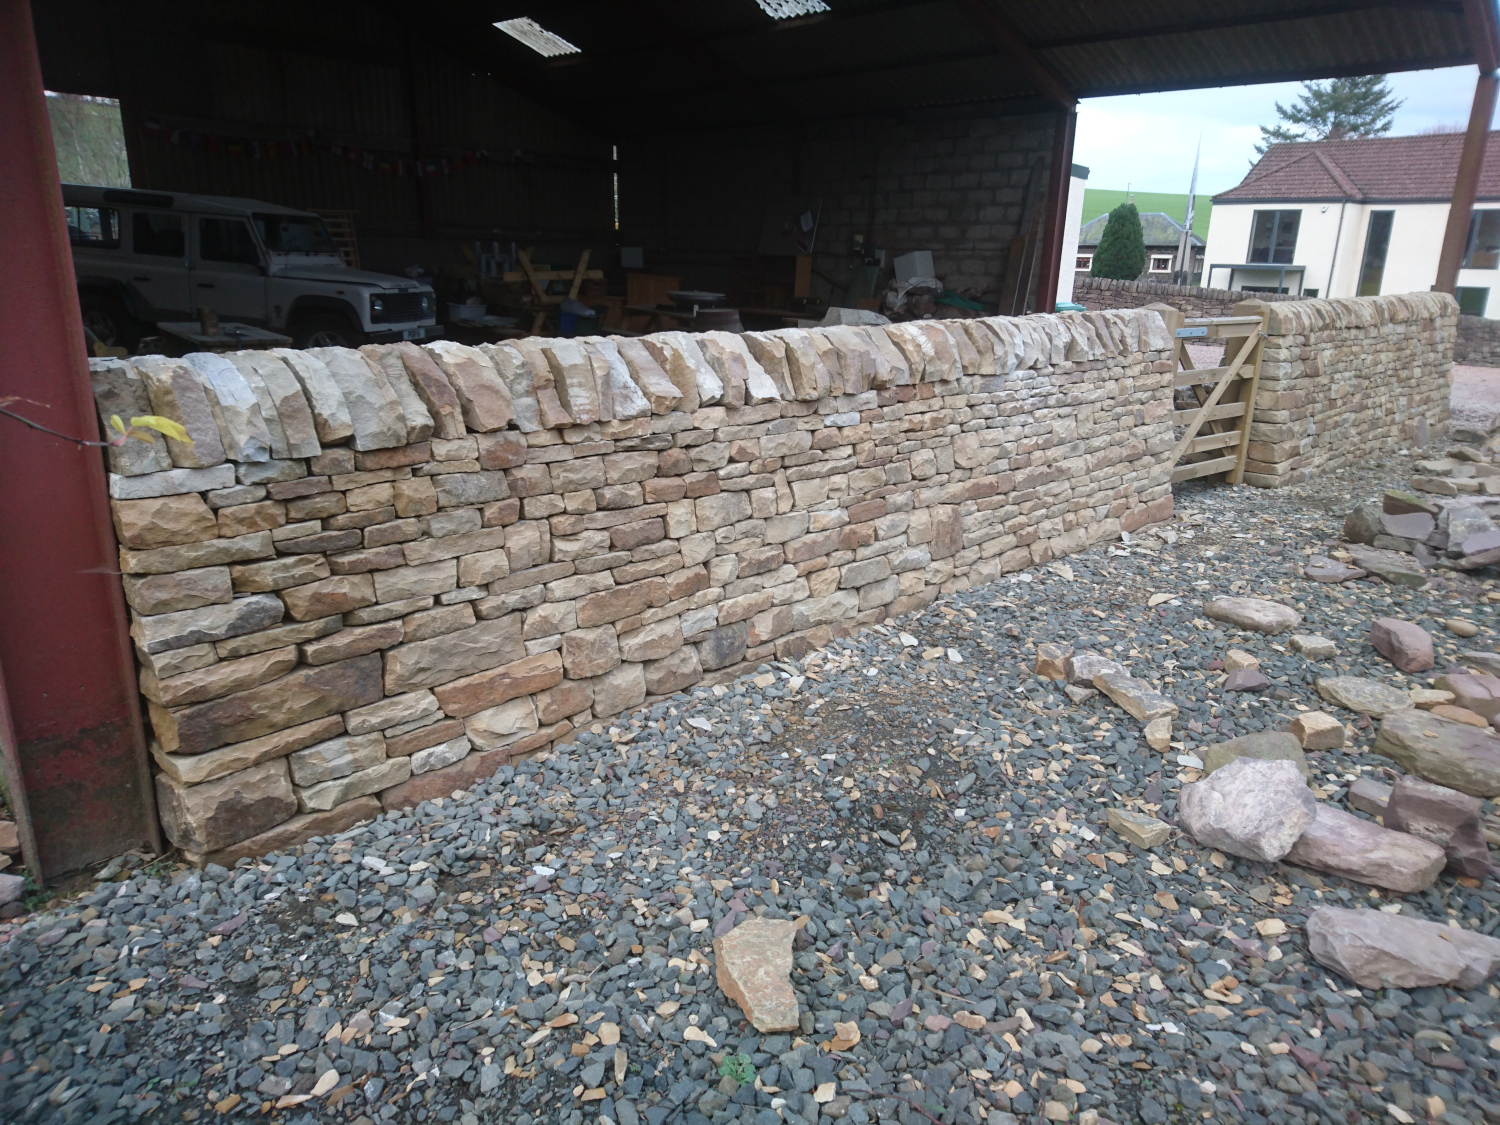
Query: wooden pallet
x,y
1214,436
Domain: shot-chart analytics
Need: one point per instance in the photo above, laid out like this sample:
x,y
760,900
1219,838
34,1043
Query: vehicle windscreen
x,y
294,234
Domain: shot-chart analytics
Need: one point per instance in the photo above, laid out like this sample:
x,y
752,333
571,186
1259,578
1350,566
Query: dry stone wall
x,y
1478,342
1349,379
374,576
1098,293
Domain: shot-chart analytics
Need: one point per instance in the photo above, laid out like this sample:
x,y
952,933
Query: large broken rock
x,y
1250,808
433,388
1404,643
288,403
1137,697
1393,566
1341,843
1478,693
1320,568
1255,614
1452,754
1369,697
1363,523
754,969
1446,817
176,393
1266,746
419,421
1081,667
1379,950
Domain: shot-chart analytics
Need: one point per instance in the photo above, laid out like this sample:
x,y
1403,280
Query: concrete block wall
x,y
1346,380
375,576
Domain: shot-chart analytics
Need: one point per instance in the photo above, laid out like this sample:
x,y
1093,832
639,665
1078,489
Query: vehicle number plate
x,y
413,333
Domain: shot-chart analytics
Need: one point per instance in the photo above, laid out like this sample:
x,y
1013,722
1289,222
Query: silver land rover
x,y
142,257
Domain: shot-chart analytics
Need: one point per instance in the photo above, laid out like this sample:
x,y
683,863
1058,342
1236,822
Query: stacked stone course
x,y
1099,293
1478,342
375,576
1346,380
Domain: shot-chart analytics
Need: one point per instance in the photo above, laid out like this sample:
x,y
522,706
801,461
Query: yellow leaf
x,y
165,426
115,424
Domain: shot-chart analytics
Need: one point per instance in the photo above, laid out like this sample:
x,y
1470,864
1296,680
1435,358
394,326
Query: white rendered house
x,y
1355,218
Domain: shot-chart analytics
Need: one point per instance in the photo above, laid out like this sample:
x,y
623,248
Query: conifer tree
x,y
1335,110
1121,253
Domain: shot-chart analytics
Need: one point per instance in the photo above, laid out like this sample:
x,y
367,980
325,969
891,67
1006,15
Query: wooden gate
x,y
1213,435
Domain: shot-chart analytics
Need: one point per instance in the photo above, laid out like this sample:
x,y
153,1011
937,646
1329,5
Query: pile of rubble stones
x,y
905,879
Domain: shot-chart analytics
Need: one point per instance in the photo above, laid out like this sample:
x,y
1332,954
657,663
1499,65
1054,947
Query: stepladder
x,y
1213,406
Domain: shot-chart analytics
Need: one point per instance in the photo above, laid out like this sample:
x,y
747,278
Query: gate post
x,y
78,752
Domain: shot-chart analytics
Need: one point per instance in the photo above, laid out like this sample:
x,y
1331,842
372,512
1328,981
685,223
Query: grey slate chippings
x,y
539,947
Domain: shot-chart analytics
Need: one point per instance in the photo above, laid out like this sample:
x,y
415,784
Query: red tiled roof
x,y
1374,169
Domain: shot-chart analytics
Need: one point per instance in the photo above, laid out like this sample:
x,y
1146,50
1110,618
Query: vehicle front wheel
x,y
326,330
104,315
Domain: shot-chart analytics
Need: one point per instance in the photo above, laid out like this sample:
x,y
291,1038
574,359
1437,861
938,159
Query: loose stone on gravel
x,y
1255,614
1370,697
1251,808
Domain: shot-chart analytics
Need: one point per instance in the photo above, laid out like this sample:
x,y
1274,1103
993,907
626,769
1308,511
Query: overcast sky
x,y
1146,141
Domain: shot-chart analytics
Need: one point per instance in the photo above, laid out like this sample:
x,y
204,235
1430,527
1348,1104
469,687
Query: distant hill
x,y
1101,201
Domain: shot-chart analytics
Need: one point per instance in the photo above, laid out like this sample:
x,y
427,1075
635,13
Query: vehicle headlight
x,y
429,304
377,306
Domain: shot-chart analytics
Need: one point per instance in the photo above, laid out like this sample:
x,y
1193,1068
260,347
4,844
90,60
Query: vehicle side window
x,y
158,235
227,240
97,228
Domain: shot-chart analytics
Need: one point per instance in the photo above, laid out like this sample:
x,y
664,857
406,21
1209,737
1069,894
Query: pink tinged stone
x,y
324,398
1448,753
1379,950
288,402
176,393
488,404
1250,808
1406,645
1341,843
1445,817
1246,679
375,411
419,421
234,406
754,969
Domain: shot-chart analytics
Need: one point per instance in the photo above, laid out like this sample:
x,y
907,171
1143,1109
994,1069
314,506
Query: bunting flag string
x,y
254,148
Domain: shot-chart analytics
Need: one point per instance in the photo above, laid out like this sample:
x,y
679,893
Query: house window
x,y
1483,252
1377,242
1471,301
1084,262
1161,263
1273,237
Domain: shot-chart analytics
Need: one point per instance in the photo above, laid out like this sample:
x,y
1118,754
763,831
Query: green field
x,y
1099,201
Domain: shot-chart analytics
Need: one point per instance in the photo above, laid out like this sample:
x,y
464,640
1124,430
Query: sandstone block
x,y
1343,844
279,637
1478,693
338,757
651,642
419,421
352,642
1379,950
328,794
338,594
1139,829
1404,643
472,694
194,769
1451,754
1051,661
442,755
1445,817
187,589
482,394
234,407
218,813
423,737
754,969
1317,731
392,711
1138,698
298,697
170,482
619,689
620,602
429,663
1081,667
288,834
590,652
1370,697
432,386
1267,746
176,393
374,410
1254,614
402,582
294,417
502,725
120,392
724,646
210,623
186,556
217,679
673,672
163,521
465,489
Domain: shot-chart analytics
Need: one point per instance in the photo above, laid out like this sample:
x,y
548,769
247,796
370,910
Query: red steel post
x,y
64,643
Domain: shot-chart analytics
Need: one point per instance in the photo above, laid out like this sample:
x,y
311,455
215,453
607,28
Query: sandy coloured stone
x,y
227,810
499,726
485,401
420,664
618,394
170,482
330,411
549,409
235,410
1254,614
1082,666
590,652
753,967
175,661
1455,755
674,671
208,623
374,410
1234,660
472,694
186,589
337,757
1250,808
277,574
433,388
652,642
1316,730
294,417
1477,692
419,421
1393,566
1343,844
1050,659
1404,643
1139,699
352,641
218,679
1139,829
1267,746
1369,697
328,794
304,694
650,379
1426,699
1461,627
573,375
1379,950
194,769
337,594
732,358
619,689
1313,646
680,356
1445,817
279,637
176,393
441,756
392,711
289,833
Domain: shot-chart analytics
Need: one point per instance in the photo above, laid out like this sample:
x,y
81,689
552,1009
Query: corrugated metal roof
x,y
1370,170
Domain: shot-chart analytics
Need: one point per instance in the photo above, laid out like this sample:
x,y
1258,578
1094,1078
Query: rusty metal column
x,y
1056,217
1466,185
64,645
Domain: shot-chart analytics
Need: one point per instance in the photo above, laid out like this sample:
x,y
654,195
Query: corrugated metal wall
x,y
190,77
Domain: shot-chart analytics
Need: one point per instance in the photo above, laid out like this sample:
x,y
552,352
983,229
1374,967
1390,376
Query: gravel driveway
x,y
539,948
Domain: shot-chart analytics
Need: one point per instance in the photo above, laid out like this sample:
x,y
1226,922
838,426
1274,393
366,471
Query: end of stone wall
x,y
375,576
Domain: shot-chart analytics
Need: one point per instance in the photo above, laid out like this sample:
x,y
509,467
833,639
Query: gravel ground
x,y
539,949
1475,397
